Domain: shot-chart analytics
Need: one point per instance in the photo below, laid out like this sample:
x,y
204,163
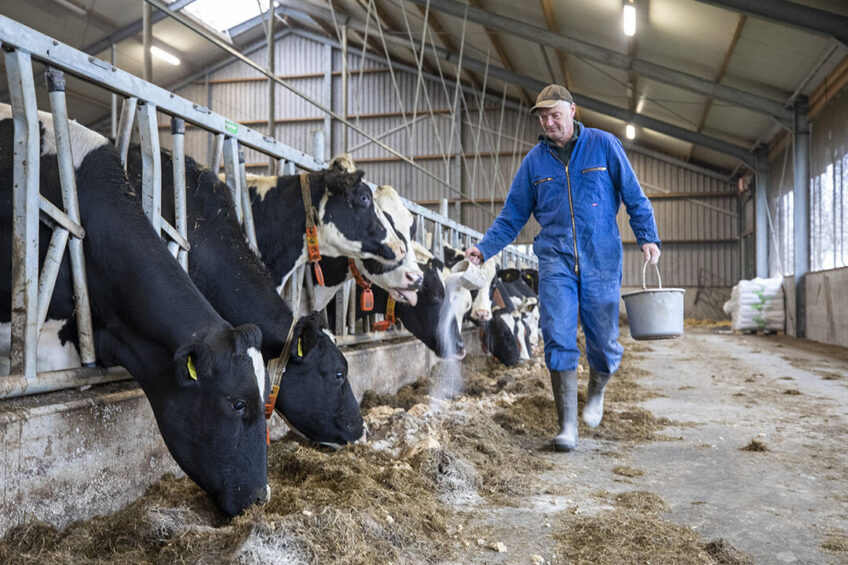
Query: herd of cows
x,y
198,342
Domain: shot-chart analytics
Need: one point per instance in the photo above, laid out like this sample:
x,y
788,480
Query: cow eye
x,y
340,375
239,405
365,199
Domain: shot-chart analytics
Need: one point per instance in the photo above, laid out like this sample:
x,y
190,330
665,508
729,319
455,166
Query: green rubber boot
x,y
564,384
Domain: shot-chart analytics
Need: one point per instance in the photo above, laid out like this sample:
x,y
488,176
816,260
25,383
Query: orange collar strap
x,y
312,251
366,299
390,319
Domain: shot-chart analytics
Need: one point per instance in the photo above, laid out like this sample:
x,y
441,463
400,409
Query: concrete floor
x,y
723,391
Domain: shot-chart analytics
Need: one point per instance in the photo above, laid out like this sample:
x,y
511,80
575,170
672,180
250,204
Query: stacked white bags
x,y
757,305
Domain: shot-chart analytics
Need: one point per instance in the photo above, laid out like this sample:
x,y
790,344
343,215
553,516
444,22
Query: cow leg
x,y
564,384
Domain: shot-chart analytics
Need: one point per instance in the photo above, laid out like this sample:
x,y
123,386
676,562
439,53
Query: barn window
x,y
222,15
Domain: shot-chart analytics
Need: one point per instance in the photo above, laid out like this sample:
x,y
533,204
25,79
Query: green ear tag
x,y
299,349
192,372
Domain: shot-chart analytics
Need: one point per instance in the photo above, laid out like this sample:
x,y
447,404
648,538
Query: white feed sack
x,y
757,305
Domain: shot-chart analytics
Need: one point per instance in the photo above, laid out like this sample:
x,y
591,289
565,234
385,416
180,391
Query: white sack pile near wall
x,y
757,305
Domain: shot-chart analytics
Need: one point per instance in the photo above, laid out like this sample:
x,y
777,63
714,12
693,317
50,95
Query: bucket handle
x,y
659,278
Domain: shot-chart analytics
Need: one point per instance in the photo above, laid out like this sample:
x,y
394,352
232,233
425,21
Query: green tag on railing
x,y
231,127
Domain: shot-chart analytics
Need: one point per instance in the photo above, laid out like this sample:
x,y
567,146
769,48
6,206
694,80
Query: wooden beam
x,y
720,75
437,30
551,23
496,42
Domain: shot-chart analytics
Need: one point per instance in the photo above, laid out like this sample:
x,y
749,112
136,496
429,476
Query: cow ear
x,y
247,336
304,338
192,363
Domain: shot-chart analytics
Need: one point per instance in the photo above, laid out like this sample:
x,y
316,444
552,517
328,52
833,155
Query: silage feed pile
x,y
403,497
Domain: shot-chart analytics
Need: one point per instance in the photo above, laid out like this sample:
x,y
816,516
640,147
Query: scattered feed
x,y
755,446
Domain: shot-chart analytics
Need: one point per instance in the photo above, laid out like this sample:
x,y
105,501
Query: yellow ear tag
x,y
299,348
192,372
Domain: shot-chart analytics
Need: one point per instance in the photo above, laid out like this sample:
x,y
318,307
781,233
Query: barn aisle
x,y
752,459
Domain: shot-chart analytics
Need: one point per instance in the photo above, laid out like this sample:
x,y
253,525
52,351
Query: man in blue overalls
x,y
573,182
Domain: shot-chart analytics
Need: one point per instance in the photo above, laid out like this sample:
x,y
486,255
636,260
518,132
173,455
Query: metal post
x,y
180,208
272,106
210,137
289,168
351,307
344,89
761,211
114,128
122,139
341,310
147,39
151,165
25,198
318,145
328,98
280,170
801,161
246,210
219,153
231,170
55,80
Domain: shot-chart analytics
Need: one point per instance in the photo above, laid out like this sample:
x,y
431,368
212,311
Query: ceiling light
x,y
629,20
164,55
630,131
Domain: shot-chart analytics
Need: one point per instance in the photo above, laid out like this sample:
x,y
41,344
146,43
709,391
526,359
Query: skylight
x,y
222,15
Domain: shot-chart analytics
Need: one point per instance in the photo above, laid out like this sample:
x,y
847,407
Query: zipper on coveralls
x,y
571,211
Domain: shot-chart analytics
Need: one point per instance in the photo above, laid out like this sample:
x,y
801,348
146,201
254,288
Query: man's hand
x,y
651,251
473,254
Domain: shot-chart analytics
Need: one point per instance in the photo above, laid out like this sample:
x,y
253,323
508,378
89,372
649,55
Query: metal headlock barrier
x,y
32,291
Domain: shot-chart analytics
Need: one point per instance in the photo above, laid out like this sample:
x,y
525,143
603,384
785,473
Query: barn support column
x,y
344,88
114,113
328,98
761,211
272,68
801,161
147,39
25,197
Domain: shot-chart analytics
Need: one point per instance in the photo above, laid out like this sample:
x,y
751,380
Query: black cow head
x,y
498,338
208,402
432,319
531,277
348,222
315,396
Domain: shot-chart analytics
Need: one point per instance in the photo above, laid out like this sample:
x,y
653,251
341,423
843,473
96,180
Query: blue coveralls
x,y
576,206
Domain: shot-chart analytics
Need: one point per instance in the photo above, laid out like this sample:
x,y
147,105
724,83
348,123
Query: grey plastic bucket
x,y
654,313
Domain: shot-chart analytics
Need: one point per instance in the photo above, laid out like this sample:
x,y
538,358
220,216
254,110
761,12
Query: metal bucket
x,y
654,313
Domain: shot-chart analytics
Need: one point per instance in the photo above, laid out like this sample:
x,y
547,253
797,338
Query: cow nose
x,y
414,280
484,315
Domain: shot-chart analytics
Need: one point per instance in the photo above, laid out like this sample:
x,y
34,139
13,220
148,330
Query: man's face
x,y
558,122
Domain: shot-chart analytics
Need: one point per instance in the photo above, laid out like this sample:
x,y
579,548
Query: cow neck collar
x,y
276,367
312,252
390,318
367,299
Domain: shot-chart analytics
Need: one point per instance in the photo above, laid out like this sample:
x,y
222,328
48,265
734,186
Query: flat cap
x,y
550,95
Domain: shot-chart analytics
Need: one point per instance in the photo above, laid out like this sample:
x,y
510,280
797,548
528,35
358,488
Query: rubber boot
x,y
564,384
593,410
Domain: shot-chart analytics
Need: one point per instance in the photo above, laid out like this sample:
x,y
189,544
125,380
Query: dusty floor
x,y
788,504
715,448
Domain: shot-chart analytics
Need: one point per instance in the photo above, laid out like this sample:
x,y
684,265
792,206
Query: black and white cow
x,y
347,222
401,280
204,379
432,320
315,396
531,277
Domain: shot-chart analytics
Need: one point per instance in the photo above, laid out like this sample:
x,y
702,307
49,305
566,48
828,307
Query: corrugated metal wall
x,y
697,222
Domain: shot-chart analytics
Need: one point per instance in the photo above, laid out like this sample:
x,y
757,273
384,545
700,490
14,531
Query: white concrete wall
x,y
827,306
